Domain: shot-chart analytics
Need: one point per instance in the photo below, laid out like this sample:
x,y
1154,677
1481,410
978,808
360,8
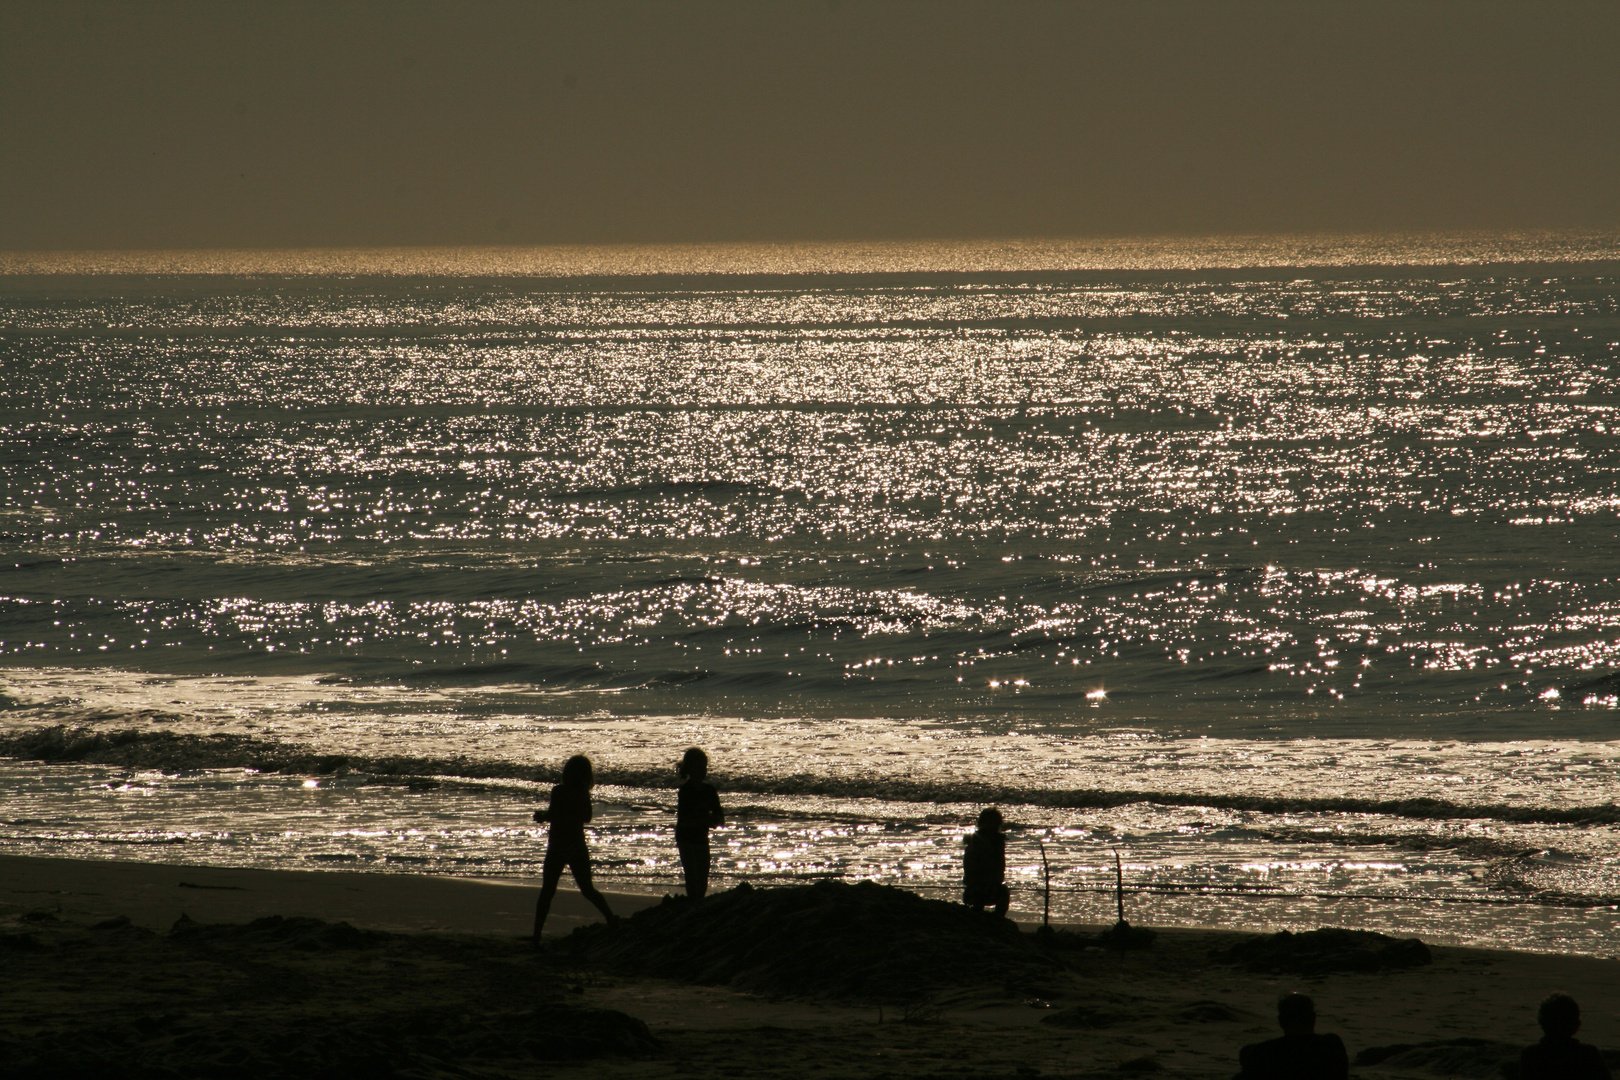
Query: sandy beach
x,y
155,970
155,895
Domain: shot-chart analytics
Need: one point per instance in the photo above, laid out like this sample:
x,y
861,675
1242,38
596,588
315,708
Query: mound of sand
x,y
283,998
1092,1017
1317,952
865,942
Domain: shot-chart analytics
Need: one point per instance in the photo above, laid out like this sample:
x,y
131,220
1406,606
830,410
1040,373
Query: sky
x,y
287,124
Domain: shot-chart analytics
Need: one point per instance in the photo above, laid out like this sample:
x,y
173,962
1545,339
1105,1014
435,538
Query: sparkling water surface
x,y
886,545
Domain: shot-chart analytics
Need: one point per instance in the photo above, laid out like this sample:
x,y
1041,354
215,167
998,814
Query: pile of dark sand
x,y
1094,1017
1318,952
865,943
285,998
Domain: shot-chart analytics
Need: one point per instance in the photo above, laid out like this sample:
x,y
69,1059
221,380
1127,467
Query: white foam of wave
x,y
512,724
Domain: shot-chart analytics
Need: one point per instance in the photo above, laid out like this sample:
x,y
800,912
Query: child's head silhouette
x,y
577,771
694,765
990,819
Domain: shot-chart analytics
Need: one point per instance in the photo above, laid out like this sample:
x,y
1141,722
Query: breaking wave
x,y
170,751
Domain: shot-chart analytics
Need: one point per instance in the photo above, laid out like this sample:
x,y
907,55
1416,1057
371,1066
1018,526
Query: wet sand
x,y
447,981
154,895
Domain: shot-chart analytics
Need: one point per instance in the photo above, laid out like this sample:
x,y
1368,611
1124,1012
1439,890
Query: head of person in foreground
x,y
577,772
1559,1016
1296,1014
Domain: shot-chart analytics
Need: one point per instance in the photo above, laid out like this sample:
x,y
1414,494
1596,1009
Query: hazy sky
x,y
280,123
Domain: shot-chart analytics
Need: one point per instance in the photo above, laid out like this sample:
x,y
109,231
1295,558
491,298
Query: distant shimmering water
x,y
1319,536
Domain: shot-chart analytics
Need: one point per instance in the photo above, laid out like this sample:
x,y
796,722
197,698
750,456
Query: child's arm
x,y
717,816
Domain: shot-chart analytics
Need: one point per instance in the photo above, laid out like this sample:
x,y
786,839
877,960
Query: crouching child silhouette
x,y
1559,1055
697,810
568,814
1301,1054
984,865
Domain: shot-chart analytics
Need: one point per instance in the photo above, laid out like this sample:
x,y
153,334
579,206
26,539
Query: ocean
x,y
1284,569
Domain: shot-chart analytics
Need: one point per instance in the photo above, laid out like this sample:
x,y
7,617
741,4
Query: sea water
x,y
1283,570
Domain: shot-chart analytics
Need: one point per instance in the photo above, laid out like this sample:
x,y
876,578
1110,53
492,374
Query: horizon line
x,y
948,255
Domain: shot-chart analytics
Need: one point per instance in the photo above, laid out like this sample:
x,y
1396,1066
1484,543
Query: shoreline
x,y
154,894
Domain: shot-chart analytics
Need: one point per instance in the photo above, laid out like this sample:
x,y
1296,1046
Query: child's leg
x,y
1003,900
582,878
695,864
549,877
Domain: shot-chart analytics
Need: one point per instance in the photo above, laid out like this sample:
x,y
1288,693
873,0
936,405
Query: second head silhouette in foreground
x,y
1559,1055
568,814
697,810
1301,1054
984,865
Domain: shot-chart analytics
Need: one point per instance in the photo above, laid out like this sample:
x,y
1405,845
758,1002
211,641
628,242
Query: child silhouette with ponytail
x,y
568,814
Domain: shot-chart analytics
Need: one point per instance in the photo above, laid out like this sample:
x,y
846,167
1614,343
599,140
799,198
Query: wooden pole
x,y
1119,884
1046,870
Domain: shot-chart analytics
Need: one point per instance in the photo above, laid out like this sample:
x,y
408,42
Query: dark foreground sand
x,y
359,975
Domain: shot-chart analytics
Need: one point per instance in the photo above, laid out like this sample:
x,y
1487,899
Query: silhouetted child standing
x,y
984,865
1559,1055
697,810
568,814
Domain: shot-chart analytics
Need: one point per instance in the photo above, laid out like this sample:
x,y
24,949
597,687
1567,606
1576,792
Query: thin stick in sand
x,y
1046,871
1119,884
